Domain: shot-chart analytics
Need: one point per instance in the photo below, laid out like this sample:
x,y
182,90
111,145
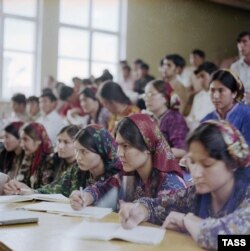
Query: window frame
x,y
36,20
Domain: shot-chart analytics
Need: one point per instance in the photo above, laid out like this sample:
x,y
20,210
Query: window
x,y
89,38
18,55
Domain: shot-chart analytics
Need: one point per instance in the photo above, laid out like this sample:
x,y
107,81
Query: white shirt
x,y
243,70
202,105
53,123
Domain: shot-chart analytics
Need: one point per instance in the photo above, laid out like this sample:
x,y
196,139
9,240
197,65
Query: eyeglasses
x,y
150,94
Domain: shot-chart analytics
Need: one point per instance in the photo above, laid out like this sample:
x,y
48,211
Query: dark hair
x,y
112,91
89,93
13,129
242,34
199,53
144,66
33,99
87,81
178,60
65,92
130,132
207,66
126,67
138,61
123,62
19,98
86,139
30,131
71,130
76,78
228,80
49,95
210,137
161,87
161,62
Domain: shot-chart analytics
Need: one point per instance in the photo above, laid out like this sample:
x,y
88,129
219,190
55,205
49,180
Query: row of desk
x,y
51,234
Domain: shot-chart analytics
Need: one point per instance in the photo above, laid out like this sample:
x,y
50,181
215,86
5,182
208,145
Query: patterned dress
x,y
233,218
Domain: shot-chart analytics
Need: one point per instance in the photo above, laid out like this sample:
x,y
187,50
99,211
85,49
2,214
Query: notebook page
x,y
14,217
94,231
15,198
51,197
65,209
141,235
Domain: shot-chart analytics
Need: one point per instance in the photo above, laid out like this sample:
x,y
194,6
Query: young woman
x,y
115,100
144,154
101,147
36,168
219,201
12,154
91,105
172,124
227,93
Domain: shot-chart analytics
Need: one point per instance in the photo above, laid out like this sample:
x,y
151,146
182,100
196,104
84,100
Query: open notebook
x,y
65,209
109,231
14,217
45,197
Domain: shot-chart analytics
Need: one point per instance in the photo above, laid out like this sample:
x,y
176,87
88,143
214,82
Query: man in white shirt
x,y
242,66
202,103
50,119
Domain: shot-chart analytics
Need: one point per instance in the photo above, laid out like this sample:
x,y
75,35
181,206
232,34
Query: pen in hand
x,y
82,196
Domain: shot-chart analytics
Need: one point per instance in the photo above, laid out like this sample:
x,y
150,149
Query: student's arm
x,y
100,188
159,208
237,222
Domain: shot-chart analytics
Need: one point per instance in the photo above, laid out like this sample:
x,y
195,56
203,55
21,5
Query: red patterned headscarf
x,y
162,156
44,148
236,144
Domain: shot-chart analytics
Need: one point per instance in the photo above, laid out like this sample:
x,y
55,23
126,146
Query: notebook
x,y
65,209
108,231
45,197
14,217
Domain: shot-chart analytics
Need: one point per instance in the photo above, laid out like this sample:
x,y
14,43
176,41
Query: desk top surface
x,y
51,234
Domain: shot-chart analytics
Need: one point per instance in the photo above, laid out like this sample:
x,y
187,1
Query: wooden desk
x,y
51,234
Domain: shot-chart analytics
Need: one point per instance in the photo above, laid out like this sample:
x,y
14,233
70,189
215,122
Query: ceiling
x,y
242,4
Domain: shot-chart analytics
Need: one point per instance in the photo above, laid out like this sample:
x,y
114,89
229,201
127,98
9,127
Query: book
x,y
14,217
30,197
108,231
65,209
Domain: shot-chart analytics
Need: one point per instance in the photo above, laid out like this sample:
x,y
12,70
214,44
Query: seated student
x,y
12,155
36,168
172,124
219,201
95,112
114,99
143,152
50,118
33,109
173,65
202,103
227,93
64,163
18,104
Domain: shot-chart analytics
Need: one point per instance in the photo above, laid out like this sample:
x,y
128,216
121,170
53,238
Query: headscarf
x,y
106,147
162,157
44,148
6,158
236,144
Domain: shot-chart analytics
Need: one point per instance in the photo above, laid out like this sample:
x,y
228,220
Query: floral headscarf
x,y
106,147
44,148
236,144
162,157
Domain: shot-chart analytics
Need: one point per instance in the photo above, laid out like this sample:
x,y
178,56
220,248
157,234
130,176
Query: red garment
x,y
44,148
68,106
162,156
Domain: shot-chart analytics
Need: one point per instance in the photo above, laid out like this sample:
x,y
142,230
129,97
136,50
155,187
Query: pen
x,y
81,193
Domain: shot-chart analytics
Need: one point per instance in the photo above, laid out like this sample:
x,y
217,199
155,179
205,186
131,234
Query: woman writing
x,y
219,201
146,155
